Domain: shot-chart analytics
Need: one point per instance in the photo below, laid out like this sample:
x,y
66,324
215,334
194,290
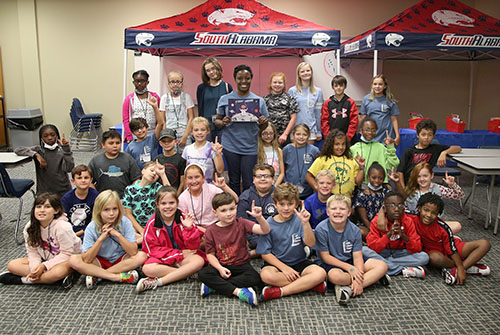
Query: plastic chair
x,y
15,188
87,130
78,116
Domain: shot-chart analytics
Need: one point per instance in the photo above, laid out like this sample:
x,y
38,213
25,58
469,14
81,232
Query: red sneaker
x,y
271,292
479,269
320,288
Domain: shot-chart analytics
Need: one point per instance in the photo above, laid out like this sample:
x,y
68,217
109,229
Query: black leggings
x,y
243,275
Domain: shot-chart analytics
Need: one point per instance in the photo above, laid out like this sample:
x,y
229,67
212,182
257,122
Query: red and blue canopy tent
x,y
431,30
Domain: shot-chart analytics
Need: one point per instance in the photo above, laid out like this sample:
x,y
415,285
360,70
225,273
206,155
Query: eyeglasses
x,y
175,82
263,176
369,130
392,206
267,133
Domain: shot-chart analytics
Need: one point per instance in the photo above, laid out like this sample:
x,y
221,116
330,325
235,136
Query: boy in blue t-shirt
x,y
316,202
286,268
79,202
339,245
145,145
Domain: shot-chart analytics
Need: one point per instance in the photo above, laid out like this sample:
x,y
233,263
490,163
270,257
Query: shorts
x,y
299,267
106,264
458,243
328,267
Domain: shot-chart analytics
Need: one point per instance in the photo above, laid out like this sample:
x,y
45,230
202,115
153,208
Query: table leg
x,y
471,196
488,209
495,228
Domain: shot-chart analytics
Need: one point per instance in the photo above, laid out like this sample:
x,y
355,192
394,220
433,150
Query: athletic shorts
x,y
299,267
458,243
106,264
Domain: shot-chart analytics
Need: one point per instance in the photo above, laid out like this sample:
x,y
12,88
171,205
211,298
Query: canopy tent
x,y
231,28
431,30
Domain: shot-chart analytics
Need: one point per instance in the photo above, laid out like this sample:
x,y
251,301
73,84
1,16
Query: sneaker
x,y
205,290
130,277
146,284
320,288
449,276
271,292
91,281
416,272
70,280
247,294
307,250
479,269
385,280
343,294
9,278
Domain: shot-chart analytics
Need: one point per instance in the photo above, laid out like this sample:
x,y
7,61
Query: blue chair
x,y
87,130
14,188
78,117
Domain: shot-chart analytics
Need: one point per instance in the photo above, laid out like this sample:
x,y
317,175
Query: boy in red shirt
x,y
454,256
399,244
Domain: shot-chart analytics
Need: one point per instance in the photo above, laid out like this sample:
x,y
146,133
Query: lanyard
x,y
367,159
192,206
301,168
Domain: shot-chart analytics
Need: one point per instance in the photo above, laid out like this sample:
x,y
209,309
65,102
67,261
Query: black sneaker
x,y
8,278
70,280
385,280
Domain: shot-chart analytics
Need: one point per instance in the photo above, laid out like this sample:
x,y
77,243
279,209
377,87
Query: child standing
x,y
53,161
240,137
373,151
454,256
112,169
229,271
369,201
339,111
197,198
298,158
381,106
336,157
139,197
282,107
399,244
145,145
424,151
178,107
173,162
286,269
316,202
109,248
338,242
310,100
269,152
79,202
172,243
202,152
49,241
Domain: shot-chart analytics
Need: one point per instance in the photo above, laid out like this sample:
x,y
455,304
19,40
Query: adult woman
x,y
209,92
239,138
136,103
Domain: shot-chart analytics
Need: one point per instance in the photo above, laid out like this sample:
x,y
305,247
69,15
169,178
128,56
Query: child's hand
x,y
395,229
442,159
152,101
262,119
394,176
357,288
360,160
63,140
182,141
35,274
41,161
282,139
256,210
319,137
224,273
290,274
388,140
450,180
188,220
381,222
220,182
226,120
356,275
303,215
217,147
105,231
159,168
460,276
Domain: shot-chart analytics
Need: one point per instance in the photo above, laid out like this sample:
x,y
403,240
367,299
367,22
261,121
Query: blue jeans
x,y
397,259
240,167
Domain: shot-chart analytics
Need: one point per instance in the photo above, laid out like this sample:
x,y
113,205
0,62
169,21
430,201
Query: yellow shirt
x,y
344,169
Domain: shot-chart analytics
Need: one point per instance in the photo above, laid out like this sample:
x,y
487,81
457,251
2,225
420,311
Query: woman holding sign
x,y
240,113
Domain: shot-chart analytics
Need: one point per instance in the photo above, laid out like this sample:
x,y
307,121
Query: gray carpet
x,y
408,306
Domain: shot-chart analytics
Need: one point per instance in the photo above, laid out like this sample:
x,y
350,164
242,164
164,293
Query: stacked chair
x,y
87,132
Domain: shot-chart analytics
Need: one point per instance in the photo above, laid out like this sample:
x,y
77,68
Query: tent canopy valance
x,y
243,28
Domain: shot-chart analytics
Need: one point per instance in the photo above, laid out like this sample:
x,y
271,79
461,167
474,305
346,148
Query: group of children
x,y
299,199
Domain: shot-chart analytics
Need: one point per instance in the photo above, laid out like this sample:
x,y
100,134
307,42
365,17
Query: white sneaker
x,y
145,284
416,272
343,294
479,269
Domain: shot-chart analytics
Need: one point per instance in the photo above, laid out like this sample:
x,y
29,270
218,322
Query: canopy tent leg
x,y
471,89
337,56
125,60
375,60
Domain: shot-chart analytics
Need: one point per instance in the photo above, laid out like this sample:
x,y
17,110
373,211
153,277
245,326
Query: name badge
x,y
308,158
145,158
